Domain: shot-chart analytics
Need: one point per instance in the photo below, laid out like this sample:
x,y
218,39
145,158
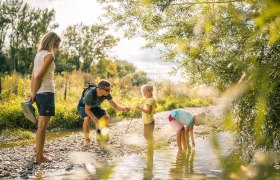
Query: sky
x,y
70,12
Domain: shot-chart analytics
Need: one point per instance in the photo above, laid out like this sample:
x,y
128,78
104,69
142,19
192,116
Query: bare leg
x,y
178,138
183,139
148,134
187,137
192,136
44,150
40,139
48,122
86,129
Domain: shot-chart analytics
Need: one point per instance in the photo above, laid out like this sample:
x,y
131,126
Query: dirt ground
x,y
126,137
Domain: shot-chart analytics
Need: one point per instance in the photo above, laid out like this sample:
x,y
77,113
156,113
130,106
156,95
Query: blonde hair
x,y
149,87
202,118
49,41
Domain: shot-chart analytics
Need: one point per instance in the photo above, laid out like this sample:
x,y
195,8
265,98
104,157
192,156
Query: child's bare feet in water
x,y
43,159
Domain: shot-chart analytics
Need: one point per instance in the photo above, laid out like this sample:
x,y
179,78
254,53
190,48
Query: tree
x,y
87,43
3,63
124,68
21,30
67,62
221,43
138,78
105,69
3,25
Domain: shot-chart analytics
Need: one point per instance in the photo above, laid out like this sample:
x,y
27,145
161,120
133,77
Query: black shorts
x,y
96,111
45,103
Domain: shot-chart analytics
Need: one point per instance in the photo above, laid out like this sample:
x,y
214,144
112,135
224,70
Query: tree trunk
x,y
0,87
66,86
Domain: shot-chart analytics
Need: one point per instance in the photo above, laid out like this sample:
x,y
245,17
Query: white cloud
x,y
70,12
146,60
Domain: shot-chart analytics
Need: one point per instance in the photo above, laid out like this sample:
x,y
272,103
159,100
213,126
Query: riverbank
x,y
126,137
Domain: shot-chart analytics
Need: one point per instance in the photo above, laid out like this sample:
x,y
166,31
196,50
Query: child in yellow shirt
x,y
148,111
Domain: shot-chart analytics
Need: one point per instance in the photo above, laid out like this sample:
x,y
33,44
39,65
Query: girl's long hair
x,y
49,41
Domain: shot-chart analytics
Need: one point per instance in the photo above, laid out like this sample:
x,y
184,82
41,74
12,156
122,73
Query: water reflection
x,y
183,166
148,170
161,163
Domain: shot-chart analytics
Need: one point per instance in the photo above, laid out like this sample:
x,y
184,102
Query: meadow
x,y
15,88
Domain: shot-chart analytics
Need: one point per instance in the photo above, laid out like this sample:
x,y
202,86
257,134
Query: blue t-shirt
x,y
91,99
183,116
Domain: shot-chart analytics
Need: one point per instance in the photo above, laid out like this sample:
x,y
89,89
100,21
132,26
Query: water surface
x,y
165,163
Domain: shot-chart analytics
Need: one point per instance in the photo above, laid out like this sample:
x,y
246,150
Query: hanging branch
x,y
168,3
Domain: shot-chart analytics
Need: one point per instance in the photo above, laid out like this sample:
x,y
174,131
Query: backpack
x,y
87,88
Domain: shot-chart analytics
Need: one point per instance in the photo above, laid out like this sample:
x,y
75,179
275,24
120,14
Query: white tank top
x,y
48,79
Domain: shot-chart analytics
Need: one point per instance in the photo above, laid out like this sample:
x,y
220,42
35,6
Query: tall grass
x,y
16,88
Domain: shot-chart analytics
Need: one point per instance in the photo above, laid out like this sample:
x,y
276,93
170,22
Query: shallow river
x,y
165,163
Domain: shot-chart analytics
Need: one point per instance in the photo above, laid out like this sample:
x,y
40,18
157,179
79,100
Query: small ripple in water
x,y
200,163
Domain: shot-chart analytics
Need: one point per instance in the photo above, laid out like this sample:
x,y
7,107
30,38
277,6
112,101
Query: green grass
x,y
15,89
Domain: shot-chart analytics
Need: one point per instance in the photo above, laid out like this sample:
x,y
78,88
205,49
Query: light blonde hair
x,y
201,118
49,41
149,87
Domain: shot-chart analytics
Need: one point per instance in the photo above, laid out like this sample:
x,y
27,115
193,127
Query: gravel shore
x,y
126,137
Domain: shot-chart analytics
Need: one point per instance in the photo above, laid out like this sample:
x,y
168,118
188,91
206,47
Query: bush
x,y
69,87
66,116
11,116
17,134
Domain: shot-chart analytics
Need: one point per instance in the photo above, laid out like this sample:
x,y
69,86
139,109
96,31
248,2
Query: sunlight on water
x,y
81,157
164,163
91,168
134,140
77,174
167,163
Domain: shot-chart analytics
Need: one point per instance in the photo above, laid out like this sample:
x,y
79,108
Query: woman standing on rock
x,y
148,111
43,89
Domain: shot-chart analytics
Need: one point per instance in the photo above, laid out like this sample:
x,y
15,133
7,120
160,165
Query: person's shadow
x,y
183,166
148,170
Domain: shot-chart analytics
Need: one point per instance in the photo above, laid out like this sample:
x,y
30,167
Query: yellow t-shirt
x,y
148,118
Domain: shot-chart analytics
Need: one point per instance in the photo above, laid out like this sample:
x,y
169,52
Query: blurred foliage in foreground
x,y
223,43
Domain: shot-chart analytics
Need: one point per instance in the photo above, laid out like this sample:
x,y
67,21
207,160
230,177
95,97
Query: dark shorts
x,y
45,103
96,111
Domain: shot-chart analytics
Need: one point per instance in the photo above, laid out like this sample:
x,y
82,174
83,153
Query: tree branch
x,y
208,2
